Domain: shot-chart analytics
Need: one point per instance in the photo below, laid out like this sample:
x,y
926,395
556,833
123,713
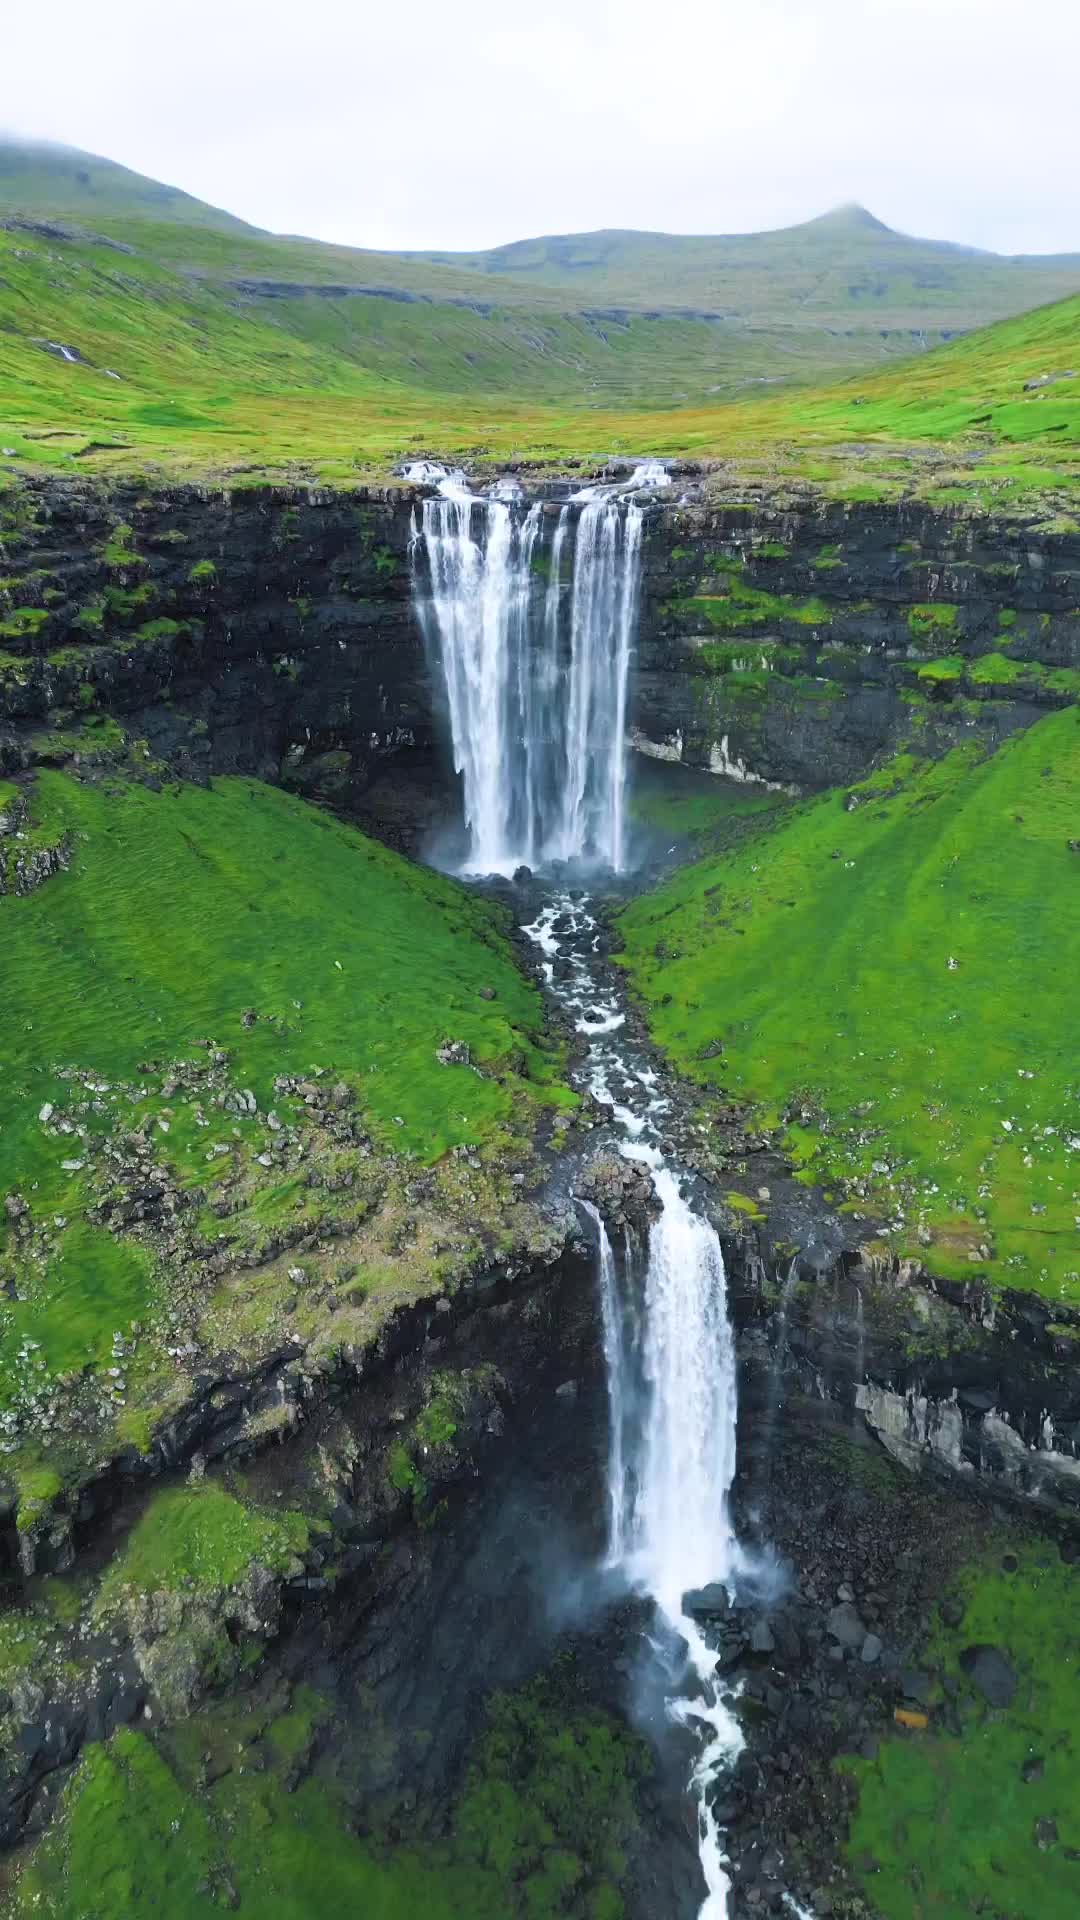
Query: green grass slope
x,y
894,983
239,923
541,1827
980,1813
43,179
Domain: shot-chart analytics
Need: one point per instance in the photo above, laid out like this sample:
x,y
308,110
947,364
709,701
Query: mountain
x,y
845,268
133,317
43,179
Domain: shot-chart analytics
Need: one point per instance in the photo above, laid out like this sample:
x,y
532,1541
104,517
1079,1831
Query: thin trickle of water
x,y
612,1326
776,1371
535,664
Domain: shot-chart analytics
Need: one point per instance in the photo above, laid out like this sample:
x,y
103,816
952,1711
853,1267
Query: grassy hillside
x,y
187,341
205,953
541,1826
866,971
43,179
980,1814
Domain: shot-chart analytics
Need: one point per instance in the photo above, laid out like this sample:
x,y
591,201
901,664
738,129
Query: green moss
x,y
930,622
200,1537
741,1203
21,1645
780,957
940,671
123,604
22,623
742,606
951,1820
739,656
1006,619
203,573
119,555
541,1828
403,1473
160,630
37,1488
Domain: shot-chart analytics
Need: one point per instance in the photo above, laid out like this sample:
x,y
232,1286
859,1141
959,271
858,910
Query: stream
x,y
529,610
670,1362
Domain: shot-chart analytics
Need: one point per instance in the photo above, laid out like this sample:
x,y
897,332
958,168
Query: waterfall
x,y
670,1357
535,671
682,1534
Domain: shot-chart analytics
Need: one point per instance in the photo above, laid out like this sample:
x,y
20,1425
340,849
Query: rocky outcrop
x,y
950,1379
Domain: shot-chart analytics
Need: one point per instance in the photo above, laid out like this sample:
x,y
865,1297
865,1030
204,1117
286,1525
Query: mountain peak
x,y
850,217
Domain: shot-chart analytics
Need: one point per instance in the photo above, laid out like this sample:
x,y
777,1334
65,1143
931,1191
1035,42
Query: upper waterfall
x,y
531,615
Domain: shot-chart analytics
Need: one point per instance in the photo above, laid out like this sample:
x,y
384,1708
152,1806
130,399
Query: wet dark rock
x,y
762,1639
1046,1834
1033,1769
707,1603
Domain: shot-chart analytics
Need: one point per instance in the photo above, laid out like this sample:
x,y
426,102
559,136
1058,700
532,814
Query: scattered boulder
x,y
845,1626
990,1672
453,1053
915,1685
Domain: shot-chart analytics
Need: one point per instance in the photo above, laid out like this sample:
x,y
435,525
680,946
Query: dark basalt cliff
x,y
264,631
270,630
794,643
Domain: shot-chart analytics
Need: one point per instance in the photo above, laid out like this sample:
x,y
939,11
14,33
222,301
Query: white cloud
x,y
456,126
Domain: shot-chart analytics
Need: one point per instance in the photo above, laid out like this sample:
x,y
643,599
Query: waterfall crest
x,y
532,631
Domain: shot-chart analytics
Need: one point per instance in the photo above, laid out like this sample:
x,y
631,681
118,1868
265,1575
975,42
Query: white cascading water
x,y
535,676
536,682
671,1370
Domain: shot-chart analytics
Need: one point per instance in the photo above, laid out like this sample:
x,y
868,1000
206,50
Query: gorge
x,y
435,1385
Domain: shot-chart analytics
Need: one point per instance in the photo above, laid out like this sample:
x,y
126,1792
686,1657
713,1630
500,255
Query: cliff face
x,y
792,644
263,631
270,631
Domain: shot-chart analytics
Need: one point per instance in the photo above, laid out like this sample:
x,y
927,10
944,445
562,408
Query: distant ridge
x,y
844,267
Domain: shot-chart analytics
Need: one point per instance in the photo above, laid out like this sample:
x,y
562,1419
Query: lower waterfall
x,y
671,1372
529,614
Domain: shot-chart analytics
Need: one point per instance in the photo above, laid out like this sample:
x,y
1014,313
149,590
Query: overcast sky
x,y
421,124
